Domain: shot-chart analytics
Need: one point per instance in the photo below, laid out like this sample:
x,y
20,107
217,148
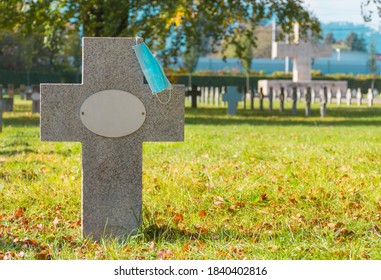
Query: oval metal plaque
x,y
113,113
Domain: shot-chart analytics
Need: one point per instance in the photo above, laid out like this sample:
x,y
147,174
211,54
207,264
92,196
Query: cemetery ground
x,y
259,185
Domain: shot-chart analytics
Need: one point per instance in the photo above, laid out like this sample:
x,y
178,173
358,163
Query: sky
x,y
341,11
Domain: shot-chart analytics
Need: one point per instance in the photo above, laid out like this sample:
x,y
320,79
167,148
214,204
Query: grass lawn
x,y
258,185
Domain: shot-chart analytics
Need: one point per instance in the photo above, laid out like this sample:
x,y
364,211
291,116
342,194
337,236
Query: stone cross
x,y
232,97
112,113
370,97
323,102
261,96
302,52
359,96
308,101
271,98
338,97
22,92
6,103
216,96
194,91
348,96
294,100
36,97
11,90
281,100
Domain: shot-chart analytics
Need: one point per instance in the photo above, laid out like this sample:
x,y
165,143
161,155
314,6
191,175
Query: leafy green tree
x,y
355,43
329,39
372,62
167,25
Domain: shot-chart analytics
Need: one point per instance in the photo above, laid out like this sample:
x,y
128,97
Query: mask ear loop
x,y
166,102
170,91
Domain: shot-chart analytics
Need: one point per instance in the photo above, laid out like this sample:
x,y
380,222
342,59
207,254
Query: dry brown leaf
x,y
178,218
43,255
165,254
56,221
264,196
18,213
202,213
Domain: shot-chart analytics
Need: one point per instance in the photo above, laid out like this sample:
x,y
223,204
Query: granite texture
x,y
112,167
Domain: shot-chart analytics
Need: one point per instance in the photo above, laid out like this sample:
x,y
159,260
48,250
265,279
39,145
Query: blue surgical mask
x,y
152,70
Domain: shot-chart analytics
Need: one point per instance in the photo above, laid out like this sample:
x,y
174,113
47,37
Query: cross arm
x,y
60,107
165,122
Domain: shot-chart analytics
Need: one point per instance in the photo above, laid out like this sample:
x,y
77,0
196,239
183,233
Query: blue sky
x,y
341,11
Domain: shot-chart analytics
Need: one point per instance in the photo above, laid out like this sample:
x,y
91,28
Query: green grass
x,y
259,185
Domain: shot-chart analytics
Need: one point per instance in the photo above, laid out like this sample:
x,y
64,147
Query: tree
x,y
372,61
329,39
355,43
166,25
367,7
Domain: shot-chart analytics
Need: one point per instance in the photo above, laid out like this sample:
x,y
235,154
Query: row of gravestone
x,y
111,97
29,93
215,96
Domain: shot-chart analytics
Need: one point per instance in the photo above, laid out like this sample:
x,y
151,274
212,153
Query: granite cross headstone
x,y
194,91
112,113
232,97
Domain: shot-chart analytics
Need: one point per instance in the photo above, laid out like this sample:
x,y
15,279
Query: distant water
x,y
346,62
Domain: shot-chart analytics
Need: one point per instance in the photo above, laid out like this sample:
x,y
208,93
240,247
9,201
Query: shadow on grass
x,y
16,120
350,116
172,234
339,116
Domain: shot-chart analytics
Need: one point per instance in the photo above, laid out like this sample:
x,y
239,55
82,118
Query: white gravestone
x,y
302,53
112,113
338,97
370,97
359,96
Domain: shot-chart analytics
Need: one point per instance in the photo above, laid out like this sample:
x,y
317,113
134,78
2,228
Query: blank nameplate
x,y
113,113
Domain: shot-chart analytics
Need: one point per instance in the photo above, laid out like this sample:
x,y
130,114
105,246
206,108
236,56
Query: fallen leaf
x,y
18,213
202,213
76,224
264,196
56,221
185,248
178,218
200,228
232,208
43,255
165,254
